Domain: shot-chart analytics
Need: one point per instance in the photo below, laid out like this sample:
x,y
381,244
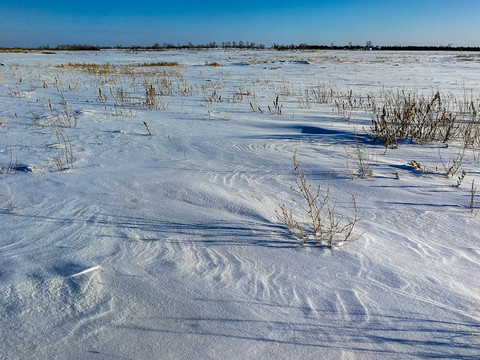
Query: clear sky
x,y
110,23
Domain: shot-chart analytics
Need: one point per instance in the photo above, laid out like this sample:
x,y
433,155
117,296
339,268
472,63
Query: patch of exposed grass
x,y
90,68
14,50
411,116
161,63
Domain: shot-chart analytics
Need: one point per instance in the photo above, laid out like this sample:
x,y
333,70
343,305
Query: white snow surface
x,y
169,247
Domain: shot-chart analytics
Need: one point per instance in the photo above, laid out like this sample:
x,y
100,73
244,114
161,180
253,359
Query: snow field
x,y
169,246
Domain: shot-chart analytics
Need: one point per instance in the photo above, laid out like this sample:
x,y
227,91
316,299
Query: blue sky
x,y
111,23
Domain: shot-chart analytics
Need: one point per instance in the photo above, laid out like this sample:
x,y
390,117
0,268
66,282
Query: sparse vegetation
x,y
411,116
64,160
326,225
9,167
361,158
473,192
159,64
277,108
7,201
255,106
149,133
150,96
100,69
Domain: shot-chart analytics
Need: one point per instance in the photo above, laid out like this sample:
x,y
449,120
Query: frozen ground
x,y
169,247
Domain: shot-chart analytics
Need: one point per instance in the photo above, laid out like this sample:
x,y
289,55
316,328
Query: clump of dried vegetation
x,y
11,207
159,64
415,117
325,224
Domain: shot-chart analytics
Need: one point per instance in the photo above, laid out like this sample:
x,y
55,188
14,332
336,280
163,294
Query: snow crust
x,y
169,247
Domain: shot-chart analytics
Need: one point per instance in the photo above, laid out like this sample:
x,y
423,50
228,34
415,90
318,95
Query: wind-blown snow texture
x,y
169,247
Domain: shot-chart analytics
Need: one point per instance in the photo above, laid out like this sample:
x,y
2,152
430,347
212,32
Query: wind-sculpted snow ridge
x,y
146,226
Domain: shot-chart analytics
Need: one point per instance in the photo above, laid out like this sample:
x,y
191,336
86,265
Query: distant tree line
x,y
369,46
253,45
157,46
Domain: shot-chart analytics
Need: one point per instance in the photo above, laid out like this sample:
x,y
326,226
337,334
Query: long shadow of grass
x,y
407,336
214,233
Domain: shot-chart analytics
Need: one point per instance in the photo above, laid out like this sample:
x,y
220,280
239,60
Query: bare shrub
x,y
325,224
453,166
361,158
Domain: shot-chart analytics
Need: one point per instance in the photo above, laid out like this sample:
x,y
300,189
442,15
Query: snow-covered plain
x,y
169,247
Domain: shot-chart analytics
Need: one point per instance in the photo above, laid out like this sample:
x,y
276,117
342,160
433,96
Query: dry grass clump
x,y
213,64
9,203
150,96
64,160
161,63
213,97
100,69
90,68
361,158
319,94
468,57
66,117
277,108
423,119
152,99
325,224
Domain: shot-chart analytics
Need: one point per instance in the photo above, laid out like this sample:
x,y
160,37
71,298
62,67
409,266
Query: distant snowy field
x,y
115,244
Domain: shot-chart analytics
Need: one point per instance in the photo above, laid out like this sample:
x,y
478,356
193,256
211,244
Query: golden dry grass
x,y
161,63
24,51
90,68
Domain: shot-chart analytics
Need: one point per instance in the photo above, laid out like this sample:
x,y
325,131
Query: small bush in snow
x,y
424,119
325,225
361,158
